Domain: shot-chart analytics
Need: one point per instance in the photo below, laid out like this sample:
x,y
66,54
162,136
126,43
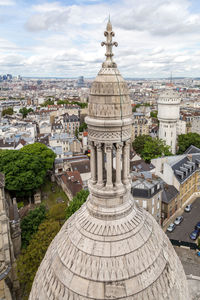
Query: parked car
x,y
171,227
178,220
194,234
188,208
197,226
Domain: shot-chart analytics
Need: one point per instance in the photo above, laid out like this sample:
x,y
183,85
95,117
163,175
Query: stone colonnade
x,y
102,154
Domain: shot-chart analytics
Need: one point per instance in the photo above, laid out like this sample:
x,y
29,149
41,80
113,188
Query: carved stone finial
x,y
109,63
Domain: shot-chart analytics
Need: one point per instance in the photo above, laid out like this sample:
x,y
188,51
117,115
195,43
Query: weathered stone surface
x,y
130,256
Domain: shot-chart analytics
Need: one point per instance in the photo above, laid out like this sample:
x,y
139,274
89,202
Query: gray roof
x,y
185,167
169,193
192,149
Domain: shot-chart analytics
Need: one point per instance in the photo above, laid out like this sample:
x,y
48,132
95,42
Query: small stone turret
x,y
168,115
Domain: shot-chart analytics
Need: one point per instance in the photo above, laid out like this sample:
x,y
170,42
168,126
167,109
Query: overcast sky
x,y
62,38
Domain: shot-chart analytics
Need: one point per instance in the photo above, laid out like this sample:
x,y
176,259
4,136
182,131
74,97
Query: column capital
x,y
91,143
119,146
128,142
99,146
108,147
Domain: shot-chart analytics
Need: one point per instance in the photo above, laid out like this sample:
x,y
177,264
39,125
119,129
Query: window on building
x,y
144,204
152,201
152,190
158,205
152,210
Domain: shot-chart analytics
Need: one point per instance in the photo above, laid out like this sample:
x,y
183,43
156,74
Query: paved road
x,y
190,261
182,231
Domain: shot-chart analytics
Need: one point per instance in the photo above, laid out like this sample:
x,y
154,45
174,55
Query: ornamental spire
x,y
109,44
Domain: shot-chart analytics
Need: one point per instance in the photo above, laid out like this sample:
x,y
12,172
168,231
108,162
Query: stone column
x,y
128,157
93,162
99,164
118,163
126,161
109,163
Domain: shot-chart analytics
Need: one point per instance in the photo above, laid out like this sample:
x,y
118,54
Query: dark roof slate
x,y
169,193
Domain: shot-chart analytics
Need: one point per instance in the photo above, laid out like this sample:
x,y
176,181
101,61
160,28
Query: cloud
x,y
6,2
52,20
155,38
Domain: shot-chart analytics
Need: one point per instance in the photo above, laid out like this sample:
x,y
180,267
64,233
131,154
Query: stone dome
x,y
128,258
110,248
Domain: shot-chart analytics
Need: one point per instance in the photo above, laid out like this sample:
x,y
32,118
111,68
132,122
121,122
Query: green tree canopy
x,y
186,140
29,224
7,111
48,102
76,202
25,169
24,111
31,257
58,212
150,148
139,142
42,152
155,148
154,114
82,127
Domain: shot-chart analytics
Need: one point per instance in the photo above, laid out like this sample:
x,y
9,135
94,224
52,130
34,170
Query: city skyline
x,y
61,38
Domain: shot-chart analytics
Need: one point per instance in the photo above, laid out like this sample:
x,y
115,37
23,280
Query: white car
x,y
171,227
188,208
178,220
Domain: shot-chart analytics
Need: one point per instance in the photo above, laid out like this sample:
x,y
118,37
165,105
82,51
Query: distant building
x,y
195,124
170,202
140,125
147,192
80,82
182,172
181,127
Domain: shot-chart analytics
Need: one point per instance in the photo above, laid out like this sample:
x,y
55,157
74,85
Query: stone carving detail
x,y
108,135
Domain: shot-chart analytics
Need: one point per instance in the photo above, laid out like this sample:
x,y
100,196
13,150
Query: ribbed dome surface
x,y
129,258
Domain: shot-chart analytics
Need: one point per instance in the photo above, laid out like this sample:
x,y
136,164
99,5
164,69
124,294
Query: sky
x,y
63,38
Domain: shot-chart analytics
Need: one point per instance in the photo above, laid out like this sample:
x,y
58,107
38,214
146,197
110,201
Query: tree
x,y
155,148
42,152
139,142
7,111
25,169
31,257
150,148
76,133
154,114
82,127
186,140
76,202
58,212
48,102
29,224
24,111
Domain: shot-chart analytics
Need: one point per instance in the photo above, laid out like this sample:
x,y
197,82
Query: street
x,y
182,231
